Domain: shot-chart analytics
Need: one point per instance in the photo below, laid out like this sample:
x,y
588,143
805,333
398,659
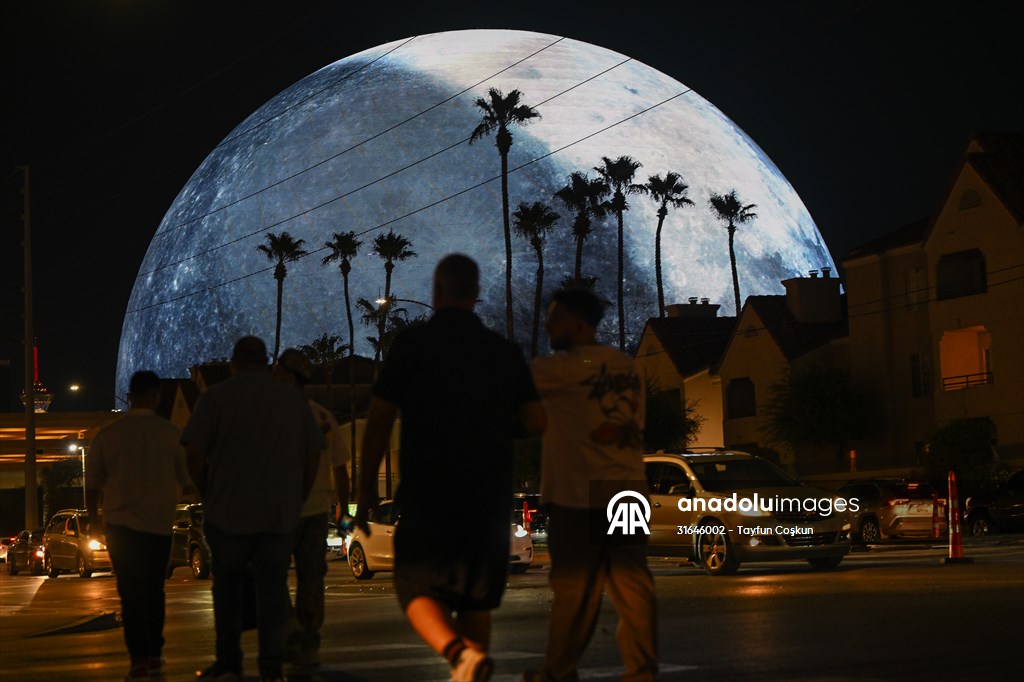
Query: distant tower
x,y
43,398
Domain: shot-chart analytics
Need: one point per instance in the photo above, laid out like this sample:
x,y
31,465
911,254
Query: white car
x,y
367,555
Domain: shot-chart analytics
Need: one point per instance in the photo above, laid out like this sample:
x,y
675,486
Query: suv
x,y
711,507
26,553
188,542
1001,510
893,508
69,546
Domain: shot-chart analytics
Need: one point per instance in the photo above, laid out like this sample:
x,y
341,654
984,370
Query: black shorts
x,y
464,570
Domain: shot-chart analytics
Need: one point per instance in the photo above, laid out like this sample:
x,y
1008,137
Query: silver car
x,y
367,555
722,508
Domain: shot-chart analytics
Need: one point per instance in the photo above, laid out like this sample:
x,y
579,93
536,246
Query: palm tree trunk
x,y
508,245
735,275
580,238
657,262
618,284
537,301
351,387
388,268
277,331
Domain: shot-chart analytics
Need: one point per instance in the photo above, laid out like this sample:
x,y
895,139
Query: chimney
x,y
814,299
692,308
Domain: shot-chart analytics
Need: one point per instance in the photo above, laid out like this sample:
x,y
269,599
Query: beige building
x,y
937,309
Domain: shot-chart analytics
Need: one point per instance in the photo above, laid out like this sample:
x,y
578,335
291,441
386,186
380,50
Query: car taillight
x,y
897,500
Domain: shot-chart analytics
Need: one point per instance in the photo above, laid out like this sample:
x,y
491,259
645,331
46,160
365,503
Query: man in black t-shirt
x,y
464,392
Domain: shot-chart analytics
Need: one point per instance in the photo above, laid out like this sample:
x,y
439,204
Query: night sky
x,y
865,107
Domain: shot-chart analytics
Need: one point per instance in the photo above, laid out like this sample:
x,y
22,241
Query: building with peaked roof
x,y
681,353
937,309
774,334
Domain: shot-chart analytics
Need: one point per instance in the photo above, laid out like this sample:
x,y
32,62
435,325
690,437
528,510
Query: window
x,y
920,374
740,398
964,358
960,274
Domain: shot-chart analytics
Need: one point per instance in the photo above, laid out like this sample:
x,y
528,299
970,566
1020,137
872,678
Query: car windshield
x,y
739,474
911,490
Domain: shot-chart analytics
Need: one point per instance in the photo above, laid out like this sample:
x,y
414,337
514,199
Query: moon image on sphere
x,y
379,142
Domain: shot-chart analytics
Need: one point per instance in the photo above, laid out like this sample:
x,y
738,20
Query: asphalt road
x,y
891,613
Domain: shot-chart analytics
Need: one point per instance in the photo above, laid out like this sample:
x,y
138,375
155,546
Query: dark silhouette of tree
x,y
383,314
533,222
325,352
342,248
585,197
393,248
666,191
669,423
729,208
282,248
619,175
501,112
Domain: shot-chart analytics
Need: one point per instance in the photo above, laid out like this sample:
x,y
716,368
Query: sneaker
x,y
138,671
219,672
156,669
473,666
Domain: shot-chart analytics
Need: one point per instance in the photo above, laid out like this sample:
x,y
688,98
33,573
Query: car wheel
x,y
825,562
715,551
199,563
83,572
870,532
37,568
51,570
357,561
12,566
980,526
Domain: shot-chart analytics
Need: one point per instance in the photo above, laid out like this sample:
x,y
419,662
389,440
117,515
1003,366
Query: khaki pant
x,y
580,571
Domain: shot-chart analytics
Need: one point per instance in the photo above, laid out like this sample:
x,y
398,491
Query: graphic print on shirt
x,y
618,396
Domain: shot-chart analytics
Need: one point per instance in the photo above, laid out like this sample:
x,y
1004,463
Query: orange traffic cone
x,y
936,519
956,543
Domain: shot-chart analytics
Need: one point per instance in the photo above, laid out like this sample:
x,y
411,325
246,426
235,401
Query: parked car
x,y
5,545
188,542
527,508
335,540
69,545
367,555
26,553
1001,510
719,541
893,508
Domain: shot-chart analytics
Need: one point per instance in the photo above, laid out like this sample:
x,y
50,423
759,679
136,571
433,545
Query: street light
x,y
381,301
81,449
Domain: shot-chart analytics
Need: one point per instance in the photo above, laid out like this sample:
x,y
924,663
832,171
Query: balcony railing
x,y
966,381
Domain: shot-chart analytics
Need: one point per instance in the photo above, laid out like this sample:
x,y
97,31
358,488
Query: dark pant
x,y
232,556
140,563
310,569
580,570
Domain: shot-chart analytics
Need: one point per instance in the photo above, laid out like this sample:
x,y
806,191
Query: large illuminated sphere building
x,y
377,141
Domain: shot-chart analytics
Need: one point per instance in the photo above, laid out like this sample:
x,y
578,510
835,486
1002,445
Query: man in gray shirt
x,y
253,448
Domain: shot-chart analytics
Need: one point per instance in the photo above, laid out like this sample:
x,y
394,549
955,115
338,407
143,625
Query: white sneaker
x,y
473,666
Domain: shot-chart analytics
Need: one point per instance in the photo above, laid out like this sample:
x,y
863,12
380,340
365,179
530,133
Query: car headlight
x,y
96,544
40,553
520,531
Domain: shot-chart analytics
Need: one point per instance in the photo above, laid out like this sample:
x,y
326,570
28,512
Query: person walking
x,y
135,474
303,646
253,448
464,392
593,447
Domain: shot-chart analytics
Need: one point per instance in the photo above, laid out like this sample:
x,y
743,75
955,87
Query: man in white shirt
x,y
294,369
136,469
594,397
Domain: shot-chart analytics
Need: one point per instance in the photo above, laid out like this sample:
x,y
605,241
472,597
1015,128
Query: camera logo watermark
x,y
629,512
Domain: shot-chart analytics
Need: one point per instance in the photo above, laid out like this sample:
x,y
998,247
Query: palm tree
x,y
342,248
666,191
585,197
392,248
729,208
500,112
282,248
532,222
619,176
324,352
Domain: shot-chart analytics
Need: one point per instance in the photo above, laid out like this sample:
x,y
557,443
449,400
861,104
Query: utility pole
x,y
31,494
